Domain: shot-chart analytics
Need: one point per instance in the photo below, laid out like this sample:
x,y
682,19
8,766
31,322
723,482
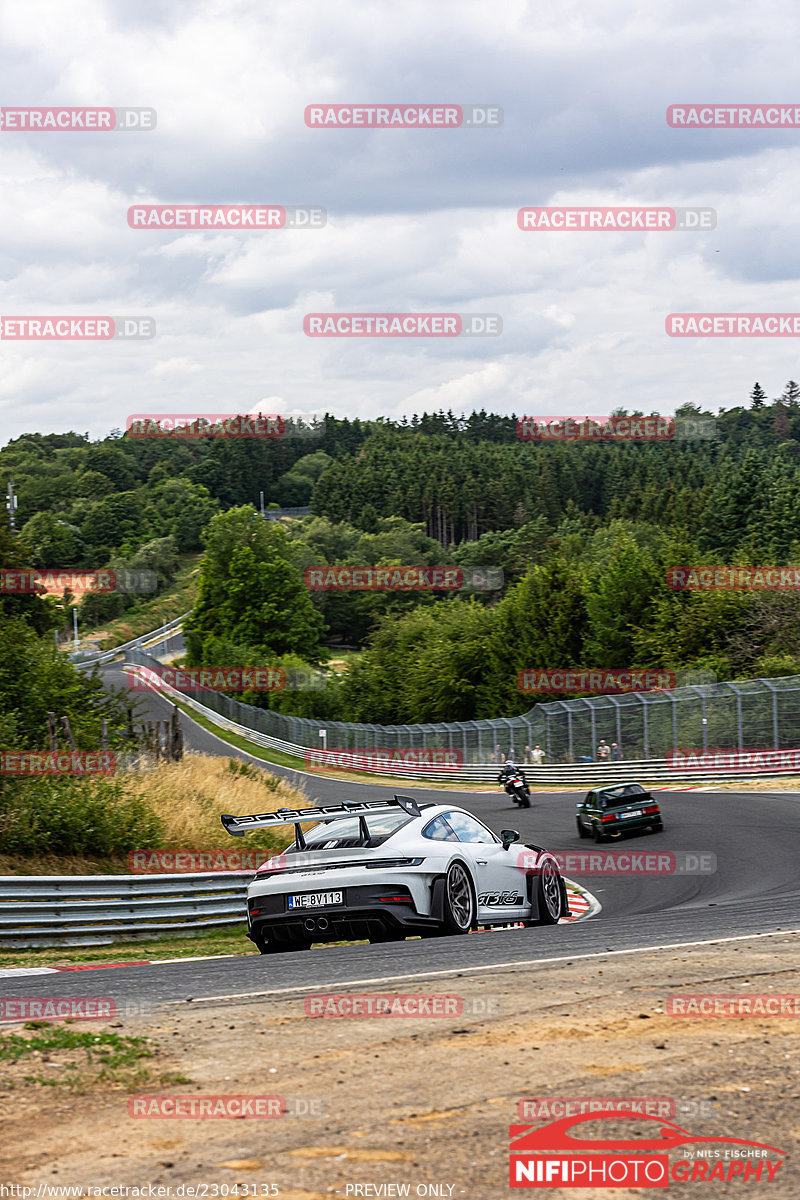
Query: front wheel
x,y
581,831
549,894
459,902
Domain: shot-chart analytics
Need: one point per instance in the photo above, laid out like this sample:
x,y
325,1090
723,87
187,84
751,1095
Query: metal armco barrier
x,y
96,660
86,910
650,770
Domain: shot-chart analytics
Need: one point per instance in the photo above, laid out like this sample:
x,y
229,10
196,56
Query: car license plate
x,y
315,899
636,812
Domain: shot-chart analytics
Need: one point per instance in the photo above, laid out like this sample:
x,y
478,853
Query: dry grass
x,y
189,797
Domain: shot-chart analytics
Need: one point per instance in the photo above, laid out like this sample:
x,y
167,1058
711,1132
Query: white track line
x,y
530,962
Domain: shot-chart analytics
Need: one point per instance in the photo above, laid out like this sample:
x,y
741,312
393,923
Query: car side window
x,y
468,828
589,799
440,831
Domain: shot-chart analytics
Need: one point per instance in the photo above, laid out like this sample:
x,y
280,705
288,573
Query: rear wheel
x,y
550,896
459,902
598,835
658,826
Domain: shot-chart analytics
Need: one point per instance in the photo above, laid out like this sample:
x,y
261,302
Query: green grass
x,y
109,1049
146,614
85,1059
216,941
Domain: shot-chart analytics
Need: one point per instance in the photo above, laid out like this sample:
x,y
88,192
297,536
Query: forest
x,y
584,534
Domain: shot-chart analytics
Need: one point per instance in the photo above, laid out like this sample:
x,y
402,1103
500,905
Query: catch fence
x,y
751,714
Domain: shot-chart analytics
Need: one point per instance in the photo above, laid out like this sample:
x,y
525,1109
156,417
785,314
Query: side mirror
x,y
507,836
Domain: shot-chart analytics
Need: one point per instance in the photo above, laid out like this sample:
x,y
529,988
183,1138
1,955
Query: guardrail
x,y
87,910
649,770
105,656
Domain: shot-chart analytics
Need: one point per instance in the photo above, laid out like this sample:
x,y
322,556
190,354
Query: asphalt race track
x,y
754,890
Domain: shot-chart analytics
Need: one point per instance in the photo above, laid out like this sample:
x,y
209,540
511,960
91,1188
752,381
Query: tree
x,y
251,591
791,393
51,542
757,396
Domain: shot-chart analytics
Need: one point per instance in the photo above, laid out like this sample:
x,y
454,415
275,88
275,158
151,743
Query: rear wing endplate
x,y
238,826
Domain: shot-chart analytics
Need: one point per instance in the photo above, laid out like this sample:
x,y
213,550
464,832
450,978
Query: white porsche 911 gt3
x,y
389,869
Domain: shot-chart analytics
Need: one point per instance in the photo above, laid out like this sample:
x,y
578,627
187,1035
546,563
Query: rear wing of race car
x,y
238,826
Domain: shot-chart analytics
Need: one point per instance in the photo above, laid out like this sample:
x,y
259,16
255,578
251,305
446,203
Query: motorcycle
x,y
514,786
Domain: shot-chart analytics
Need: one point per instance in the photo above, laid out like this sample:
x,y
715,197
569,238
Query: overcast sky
x,y
418,220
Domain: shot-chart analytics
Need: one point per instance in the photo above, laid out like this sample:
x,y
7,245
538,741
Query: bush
x,y
84,817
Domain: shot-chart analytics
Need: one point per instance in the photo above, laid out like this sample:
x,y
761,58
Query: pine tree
x,y
757,396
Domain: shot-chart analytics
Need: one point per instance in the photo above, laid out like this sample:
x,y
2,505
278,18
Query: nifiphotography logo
x,y
552,1156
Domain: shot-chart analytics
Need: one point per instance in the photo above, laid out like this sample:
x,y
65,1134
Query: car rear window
x,y
619,797
346,831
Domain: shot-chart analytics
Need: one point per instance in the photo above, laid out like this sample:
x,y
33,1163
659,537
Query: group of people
x,y
535,757
606,752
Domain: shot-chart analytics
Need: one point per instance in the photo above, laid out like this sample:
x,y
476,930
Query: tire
x,y
549,894
581,831
525,800
658,827
459,900
598,835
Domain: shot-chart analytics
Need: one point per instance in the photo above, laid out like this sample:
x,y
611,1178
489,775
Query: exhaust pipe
x,y
322,924
309,924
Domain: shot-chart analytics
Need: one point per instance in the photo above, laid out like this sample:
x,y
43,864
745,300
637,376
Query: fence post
x,y
68,732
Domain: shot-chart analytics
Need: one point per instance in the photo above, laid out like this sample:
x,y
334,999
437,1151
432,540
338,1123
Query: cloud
x,y
417,220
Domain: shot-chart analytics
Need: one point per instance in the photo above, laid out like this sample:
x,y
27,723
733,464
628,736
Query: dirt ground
x,y
424,1102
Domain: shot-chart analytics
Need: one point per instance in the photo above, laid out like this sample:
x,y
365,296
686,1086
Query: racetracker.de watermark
x,y
209,679
79,583
710,1004
574,680
216,425
630,219
76,329
416,578
402,325
646,863
57,1008
224,1107
226,216
734,760
549,1108
743,325
57,762
635,428
733,116
77,120
198,862
728,579
410,1005
400,759
226,679
403,116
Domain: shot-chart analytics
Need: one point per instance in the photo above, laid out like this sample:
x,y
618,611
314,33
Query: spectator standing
x,y
537,756
616,752
603,751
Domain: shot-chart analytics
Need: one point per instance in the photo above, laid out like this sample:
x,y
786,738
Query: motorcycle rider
x,y
508,772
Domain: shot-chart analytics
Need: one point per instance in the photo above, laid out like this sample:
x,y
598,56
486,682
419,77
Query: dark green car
x,y
611,811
